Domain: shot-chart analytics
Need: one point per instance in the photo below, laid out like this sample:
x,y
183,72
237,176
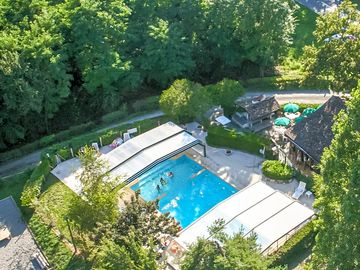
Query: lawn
x,y
54,198
246,142
13,186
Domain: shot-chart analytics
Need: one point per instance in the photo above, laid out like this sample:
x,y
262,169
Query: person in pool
x,y
158,188
163,181
170,174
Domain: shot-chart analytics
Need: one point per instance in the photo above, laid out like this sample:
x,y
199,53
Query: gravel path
x,y
17,252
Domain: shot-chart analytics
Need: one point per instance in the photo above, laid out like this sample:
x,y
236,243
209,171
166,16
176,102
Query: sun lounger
x,y
299,190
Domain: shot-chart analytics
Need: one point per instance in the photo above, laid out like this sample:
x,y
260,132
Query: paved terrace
x,y
16,253
238,169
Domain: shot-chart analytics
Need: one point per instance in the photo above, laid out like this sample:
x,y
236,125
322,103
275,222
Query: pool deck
x,y
239,169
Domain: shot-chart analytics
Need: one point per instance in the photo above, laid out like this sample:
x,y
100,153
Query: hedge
x,y
32,188
276,170
302,241
247,142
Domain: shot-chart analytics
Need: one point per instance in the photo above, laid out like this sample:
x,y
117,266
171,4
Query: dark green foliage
x,y
334,56
34,184
142,218
146,104
115,116
247,142
338,191
302,241
185,100
276,170
225,252
58,254
63,63
225,93
309,180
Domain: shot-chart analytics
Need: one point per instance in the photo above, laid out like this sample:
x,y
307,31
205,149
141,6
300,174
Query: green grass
x,y
58,254
247,142
13,186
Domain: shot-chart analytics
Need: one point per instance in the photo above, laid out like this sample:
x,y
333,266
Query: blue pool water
x,y
187,195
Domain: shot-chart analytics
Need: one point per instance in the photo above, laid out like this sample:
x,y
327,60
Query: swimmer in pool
x,y
163,181
158,188
170,174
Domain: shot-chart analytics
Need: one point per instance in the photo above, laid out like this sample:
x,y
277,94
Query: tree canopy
x,y
337,243
70,61
225,252
335,55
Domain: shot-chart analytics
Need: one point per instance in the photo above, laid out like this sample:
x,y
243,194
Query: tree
x,y
225,252
225,93
184,100
133,255
337,243
335,55
99,193
147,224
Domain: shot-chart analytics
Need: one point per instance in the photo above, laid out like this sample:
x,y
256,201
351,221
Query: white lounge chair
x,y
126,136
299,190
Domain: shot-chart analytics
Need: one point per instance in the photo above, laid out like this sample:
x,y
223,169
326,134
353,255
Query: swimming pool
x,y
189,194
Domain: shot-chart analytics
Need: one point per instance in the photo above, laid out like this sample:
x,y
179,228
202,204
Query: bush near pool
x,y
276,170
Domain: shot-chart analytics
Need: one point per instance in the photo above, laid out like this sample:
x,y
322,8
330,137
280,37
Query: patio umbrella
x,y
308,111
291,108
297,120
282,121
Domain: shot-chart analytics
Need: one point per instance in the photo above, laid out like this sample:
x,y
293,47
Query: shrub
x,y
75,130
109,136
310,183
302,241
32,188
47,140
276,170
146,104
247,142
10,155
65,153
115,116
62,135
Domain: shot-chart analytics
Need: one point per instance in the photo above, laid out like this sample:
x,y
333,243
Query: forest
x,y
66,62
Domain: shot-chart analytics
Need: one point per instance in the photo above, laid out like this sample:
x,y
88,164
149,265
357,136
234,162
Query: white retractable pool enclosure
x,y
258,209
137,155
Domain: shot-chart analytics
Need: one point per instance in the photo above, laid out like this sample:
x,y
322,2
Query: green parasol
x,y
282,121
308,111
291,108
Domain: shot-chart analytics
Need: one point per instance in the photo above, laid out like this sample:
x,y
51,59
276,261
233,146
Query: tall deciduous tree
x,y
335,56
185,100
338,241
225,253
99,192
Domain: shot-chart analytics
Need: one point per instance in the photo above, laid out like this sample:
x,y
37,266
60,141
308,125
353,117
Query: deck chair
x,y
299,190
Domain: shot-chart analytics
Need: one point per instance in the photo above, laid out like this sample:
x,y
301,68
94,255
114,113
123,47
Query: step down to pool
x,y
198,173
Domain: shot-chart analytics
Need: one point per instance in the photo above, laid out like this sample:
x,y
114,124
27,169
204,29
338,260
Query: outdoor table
x,y
308,194
4,233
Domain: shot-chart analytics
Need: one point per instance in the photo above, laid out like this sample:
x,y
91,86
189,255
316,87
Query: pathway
x,y
300,96
17,165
